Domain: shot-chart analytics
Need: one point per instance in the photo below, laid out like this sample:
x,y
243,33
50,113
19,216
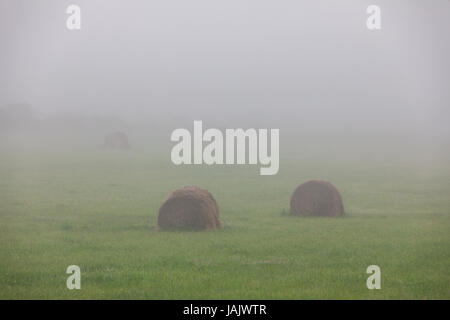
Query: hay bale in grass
x,y
116,140
189,208
317,198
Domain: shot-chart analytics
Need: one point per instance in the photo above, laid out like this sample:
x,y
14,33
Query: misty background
x,y
310,68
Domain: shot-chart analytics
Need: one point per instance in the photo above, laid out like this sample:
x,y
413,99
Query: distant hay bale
x,y
317,198
189,208
116,140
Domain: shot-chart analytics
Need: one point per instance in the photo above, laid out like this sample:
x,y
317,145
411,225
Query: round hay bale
x,y
116,140
317,198
189,208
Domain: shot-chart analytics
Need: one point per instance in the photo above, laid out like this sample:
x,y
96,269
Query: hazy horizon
x,y
310,68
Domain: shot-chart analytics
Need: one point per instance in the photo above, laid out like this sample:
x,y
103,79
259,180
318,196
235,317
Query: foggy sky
x,y
305,62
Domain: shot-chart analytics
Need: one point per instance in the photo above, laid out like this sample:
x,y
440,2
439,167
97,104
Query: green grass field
x,y
98,210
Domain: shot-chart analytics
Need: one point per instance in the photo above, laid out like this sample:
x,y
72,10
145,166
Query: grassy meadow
x,y
98,210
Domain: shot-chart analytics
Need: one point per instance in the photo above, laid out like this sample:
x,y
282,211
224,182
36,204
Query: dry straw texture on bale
x,y
317,198
116,140
189,208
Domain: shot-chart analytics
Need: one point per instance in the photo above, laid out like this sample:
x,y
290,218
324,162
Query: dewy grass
x,y
85,209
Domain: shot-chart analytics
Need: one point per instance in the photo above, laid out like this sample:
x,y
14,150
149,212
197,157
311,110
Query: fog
x,y
310,68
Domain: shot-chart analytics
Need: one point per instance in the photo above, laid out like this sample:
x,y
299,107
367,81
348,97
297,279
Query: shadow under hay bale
x,y
116,140
317,198
189,208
